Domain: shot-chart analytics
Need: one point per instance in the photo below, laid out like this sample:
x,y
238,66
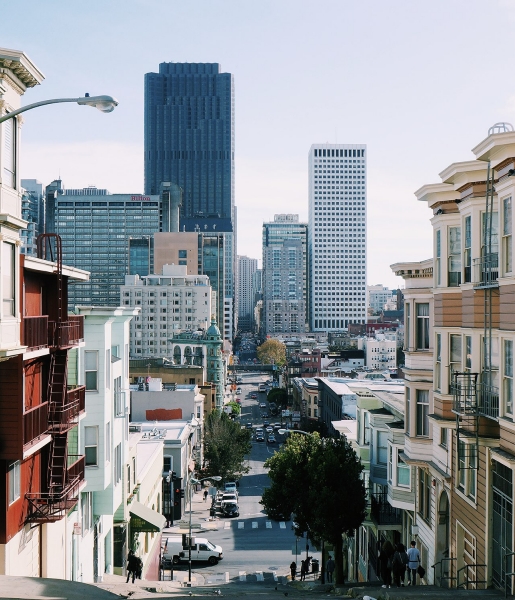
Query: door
x,y
502,526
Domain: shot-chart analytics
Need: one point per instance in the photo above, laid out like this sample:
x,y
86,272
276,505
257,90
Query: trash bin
x,y
314,565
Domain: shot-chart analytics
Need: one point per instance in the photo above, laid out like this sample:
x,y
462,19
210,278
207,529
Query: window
x,y
91,446
91,369
117,464
403,471
454,263
507,388
407,325
467,250
108,442
119,397
443,437
438,244
467,465
9,158
8,279
454,358
407,414
108,369
438,363
468,354
382,447
424,495
507,236
422,341
423,413
87,511
14,481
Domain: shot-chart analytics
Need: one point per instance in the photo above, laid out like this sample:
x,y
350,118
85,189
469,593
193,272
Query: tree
x,y
319,480
272,352
278,395
226,445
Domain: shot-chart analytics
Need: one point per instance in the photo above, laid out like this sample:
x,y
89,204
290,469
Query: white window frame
x,y
91,369
14,478
91,432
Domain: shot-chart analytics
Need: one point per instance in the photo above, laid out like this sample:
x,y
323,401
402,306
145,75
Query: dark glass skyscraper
x,y
189,137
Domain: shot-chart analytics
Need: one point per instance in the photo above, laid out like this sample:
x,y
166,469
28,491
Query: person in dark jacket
x,y
399,564
132,566
293,570
386,556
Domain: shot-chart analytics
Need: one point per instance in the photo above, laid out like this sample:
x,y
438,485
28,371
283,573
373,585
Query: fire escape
x,y
475,395
65,472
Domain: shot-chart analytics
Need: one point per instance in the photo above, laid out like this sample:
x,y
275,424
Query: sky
x,y
419,82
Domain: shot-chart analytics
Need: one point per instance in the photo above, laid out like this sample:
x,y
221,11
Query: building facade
x,y
337,235
247,267
33,211
284,276
381,353
95,227
378,297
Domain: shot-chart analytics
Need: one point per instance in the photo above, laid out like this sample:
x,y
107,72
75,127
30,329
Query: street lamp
x,y
105,104
191,482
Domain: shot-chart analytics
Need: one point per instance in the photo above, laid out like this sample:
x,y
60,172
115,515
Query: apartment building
x,y
381,353
170,302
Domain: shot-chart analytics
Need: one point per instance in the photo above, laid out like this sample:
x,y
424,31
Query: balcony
x,y
488,401
62,418
471,398
35,424
69,334
383,512
486,271
45,507
35,332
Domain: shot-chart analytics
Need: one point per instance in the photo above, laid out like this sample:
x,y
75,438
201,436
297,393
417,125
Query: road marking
x,y
241,524
282,525
243,576
269,524
254,524
260,576
227,525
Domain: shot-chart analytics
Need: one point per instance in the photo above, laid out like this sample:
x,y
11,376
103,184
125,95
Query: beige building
x,y
176,249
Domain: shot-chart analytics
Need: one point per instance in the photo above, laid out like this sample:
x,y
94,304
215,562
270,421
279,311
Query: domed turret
x,y
213,332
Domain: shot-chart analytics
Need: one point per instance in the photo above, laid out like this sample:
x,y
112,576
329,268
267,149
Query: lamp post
x,y
103,103
191,482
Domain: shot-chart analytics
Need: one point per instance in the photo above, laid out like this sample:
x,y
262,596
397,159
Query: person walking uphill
x,y
293,570
385,558
399,563
132,566
414,562
329,567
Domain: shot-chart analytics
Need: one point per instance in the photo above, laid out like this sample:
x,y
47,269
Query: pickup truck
x,y
176,550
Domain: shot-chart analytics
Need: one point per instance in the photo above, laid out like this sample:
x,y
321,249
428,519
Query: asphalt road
x,y
255,547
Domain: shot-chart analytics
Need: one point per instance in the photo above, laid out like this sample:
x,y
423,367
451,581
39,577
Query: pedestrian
x,y
329,567
206,494
303,570
139,568
399,564
385,558
293,570
132,566
414,562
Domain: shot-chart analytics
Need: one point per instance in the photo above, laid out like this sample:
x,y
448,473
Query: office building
x,y
95,227
379,296
189,142
284,275
32,211
337,235
246,270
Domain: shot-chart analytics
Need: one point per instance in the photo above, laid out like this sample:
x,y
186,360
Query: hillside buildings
x,y
378,297
284,277
337,235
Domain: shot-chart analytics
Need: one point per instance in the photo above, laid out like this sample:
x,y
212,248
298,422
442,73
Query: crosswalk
x,y
253,524
246,577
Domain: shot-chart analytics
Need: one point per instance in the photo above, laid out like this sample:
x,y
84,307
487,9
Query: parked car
x,y
229,497
238,391
230,509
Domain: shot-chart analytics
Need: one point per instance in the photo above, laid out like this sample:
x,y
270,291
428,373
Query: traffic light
x,y
174,475
177,495
182,493
177,504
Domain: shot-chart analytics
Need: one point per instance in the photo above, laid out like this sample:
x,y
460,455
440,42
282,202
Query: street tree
x,y
278,395
319,480
272,352
226,445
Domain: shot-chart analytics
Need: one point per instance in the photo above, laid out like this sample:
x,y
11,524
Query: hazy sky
x,y
419,82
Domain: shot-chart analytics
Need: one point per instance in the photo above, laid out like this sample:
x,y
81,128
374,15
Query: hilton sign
x,y
140,197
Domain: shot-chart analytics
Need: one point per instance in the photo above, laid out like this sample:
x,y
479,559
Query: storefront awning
x,y
145,519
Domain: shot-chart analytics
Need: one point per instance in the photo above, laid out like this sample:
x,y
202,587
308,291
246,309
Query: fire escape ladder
x,y
57,418
466,405
57,465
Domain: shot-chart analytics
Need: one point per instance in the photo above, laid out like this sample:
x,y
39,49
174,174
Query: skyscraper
x,y
246,269
284,275
337,235
189,141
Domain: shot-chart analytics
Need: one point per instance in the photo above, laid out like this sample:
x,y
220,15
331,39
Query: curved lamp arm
x,y
103,103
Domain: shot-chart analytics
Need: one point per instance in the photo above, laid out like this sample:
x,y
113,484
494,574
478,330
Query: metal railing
x,y
35,423
488,400
60,418
470,581
508,575
383,512
69,333
35,332
441,578
486,270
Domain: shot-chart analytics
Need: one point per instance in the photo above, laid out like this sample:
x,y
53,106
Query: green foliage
x,y
236,408
319,480
272,352
278,395
226,445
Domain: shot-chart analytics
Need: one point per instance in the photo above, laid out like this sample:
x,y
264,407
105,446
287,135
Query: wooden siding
x,y
507,441
447,310
33,293
506,307
473,518
443,407
11,409
474,308
33,384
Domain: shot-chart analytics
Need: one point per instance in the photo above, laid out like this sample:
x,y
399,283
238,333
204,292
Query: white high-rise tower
x,y
337,235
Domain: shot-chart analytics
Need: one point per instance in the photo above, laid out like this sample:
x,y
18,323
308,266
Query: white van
x,y
202,550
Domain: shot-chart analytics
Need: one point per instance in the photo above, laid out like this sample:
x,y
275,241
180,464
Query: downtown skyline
x,y
326,73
